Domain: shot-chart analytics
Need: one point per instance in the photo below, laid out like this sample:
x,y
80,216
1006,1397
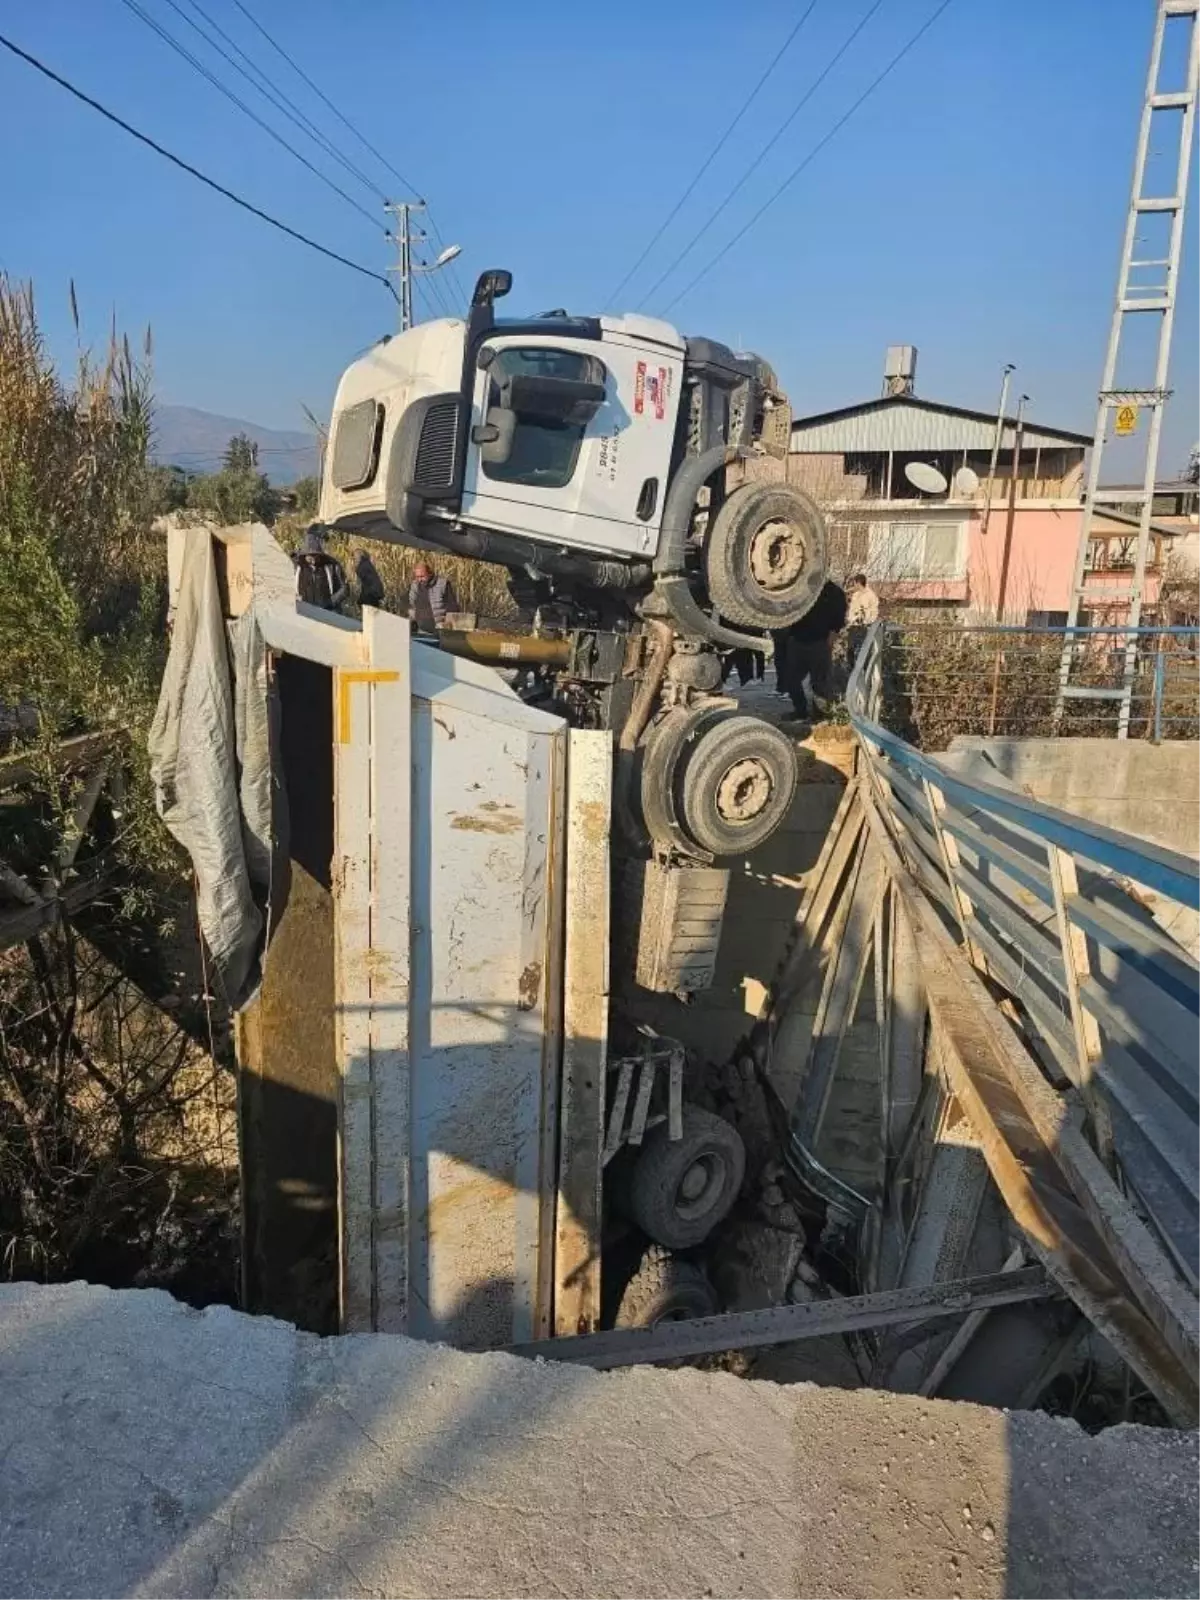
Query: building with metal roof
x,y
906,424
942,504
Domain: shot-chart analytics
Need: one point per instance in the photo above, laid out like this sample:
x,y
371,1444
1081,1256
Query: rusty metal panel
x,y
352,1002
486,802
585,1031
387,643
677,913
449,820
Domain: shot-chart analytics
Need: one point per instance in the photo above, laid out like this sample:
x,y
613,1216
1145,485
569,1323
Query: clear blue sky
x,y
972,207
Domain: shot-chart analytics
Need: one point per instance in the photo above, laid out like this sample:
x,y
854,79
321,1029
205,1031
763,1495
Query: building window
x,y
1045,619
918,552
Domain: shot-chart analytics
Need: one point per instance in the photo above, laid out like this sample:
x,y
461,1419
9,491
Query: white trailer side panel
x,y
449,808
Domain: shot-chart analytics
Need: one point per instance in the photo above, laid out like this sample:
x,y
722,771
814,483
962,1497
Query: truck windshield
x,y
544,451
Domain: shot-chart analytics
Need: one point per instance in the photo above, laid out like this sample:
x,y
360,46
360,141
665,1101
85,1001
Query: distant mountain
x,y
196,440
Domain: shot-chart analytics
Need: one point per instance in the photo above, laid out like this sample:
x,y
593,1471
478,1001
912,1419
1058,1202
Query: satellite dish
x,y
966,482
925,477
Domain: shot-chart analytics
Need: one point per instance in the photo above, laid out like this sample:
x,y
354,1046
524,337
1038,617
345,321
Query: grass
x,y
481,586
107,1101
941,679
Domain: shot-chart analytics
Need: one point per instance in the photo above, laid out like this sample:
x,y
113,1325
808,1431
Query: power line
x,y
346,123
815,151
254,75
258,80
764,152
185,166
713,153
325,100
221,88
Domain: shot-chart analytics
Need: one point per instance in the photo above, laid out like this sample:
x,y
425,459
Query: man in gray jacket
x,y
430,599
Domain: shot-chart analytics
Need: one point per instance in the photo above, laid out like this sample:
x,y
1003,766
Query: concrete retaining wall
x,y
150,1449
1151,791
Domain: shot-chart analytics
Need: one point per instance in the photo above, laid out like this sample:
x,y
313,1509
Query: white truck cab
x,y
588,451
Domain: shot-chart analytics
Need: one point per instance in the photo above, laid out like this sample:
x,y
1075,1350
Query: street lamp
x,y
446,257
407,267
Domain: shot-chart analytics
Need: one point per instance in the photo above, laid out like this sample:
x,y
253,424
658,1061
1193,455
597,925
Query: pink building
x,y
918,496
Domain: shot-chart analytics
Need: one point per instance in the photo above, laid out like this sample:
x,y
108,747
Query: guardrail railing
x,y
1041,901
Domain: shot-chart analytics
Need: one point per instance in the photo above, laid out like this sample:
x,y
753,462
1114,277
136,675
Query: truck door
x,y
594,481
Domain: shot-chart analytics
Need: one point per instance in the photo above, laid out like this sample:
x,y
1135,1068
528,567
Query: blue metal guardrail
x,y
1022,881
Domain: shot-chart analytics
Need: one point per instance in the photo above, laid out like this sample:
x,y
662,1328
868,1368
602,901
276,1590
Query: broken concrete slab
x,y
150,1449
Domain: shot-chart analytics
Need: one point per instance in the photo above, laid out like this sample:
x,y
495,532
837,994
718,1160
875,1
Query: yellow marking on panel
x,y
346,679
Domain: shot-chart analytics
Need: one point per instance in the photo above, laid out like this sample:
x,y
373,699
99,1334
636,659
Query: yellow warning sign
x,y
1127,421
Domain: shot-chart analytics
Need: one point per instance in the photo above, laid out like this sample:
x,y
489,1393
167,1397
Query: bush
x,y
101,1168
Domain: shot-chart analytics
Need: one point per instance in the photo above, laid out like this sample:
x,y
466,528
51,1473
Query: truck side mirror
x,y
495,436
491,285
567,400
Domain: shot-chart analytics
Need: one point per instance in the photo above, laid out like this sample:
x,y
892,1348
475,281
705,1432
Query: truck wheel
x,y
679,1191
737,784
665,1289
662,757
766,556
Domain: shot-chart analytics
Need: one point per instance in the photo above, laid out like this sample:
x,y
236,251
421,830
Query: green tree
x,y
167,489
305,492
241,454
232,496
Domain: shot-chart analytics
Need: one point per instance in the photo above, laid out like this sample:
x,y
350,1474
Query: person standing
x,y
320,577
430,599
748,664
370,584
863,610
805,650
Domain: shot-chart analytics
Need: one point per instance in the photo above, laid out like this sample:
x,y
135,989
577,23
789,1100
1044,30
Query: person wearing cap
x,y
320,578
430,599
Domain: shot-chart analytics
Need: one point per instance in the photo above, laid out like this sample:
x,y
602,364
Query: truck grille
x,y
434,472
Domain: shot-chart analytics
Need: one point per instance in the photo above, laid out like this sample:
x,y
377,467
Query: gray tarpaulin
x,y
210,758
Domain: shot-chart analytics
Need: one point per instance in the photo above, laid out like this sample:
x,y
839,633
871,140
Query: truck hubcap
x,y
744,791
698,1185
776,555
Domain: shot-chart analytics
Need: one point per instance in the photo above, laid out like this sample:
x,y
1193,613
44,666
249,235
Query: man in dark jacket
x,y
430,599
320,579
370,584
805,650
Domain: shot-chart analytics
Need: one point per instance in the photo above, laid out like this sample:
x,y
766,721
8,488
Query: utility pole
x,y
997,441
1011,514
407,266
1006,555
1147,286
404,238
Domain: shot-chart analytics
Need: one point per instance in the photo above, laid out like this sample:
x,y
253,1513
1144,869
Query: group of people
x,y
803,652
321,581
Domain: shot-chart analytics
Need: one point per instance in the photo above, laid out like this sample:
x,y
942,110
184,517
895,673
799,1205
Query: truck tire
x,y
766,555
679,1190
665,1289
662,757
736,784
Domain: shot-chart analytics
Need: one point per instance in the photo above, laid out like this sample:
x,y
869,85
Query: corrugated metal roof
x,y
904,423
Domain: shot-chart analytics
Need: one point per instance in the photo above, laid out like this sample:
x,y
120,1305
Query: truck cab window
x,y
545,449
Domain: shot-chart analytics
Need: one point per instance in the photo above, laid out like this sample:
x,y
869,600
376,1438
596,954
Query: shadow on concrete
x,y
152,1450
